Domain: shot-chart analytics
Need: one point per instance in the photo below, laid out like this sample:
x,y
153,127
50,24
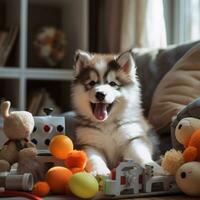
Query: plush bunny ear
x,y
126,62
82,58
5,107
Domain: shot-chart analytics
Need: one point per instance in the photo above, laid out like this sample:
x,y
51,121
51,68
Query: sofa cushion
x,y
153,64
178,87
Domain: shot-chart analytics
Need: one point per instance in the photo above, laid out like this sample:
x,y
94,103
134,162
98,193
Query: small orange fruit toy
x,y
41,189
58,178
192,151
76,161
60,146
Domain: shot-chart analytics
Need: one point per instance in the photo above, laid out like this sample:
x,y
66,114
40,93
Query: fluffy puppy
x,y
107,100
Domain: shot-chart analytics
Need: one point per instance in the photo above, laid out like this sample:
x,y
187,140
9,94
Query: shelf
x,y
49,93
49,74
61,15
24,71
36,74
9,72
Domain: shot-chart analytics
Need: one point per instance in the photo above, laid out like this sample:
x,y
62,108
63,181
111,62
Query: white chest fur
x,y
111,139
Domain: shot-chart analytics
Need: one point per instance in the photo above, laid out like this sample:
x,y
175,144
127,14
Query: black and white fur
x,y
107,100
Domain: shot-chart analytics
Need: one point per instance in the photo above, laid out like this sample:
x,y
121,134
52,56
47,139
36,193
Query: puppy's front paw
x,y
157,169
97,169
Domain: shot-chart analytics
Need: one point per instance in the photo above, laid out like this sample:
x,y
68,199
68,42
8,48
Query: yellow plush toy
x,y
188,178
182,164
17,126
187,133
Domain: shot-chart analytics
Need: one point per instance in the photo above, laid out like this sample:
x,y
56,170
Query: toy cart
x,y
129,179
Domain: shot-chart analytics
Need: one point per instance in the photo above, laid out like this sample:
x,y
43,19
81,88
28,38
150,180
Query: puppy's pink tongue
x,y
100,111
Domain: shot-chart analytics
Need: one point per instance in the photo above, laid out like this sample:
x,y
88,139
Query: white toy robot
x,y
45,128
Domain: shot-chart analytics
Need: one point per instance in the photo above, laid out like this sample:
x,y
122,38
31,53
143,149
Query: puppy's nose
x,y
100,96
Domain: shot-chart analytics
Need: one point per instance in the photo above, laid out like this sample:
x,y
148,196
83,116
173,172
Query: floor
x,y
170,197
175,197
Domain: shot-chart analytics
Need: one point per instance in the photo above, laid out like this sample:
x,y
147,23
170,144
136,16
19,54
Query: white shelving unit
x,y
74,22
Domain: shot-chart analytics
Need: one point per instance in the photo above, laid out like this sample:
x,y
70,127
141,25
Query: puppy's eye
x,y
92,83
113,84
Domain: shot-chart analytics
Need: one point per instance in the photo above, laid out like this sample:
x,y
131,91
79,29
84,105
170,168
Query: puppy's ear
x,y
81,59
126,62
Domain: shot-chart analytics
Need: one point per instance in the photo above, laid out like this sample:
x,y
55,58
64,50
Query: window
x,y
182,20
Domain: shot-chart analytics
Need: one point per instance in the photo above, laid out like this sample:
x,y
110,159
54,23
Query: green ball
x,y
83,185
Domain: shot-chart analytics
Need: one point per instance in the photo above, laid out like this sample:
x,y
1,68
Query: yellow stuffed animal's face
x,y
188,178
185,129
19,125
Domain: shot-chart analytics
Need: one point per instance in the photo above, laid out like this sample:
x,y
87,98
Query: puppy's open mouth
x,y
101,110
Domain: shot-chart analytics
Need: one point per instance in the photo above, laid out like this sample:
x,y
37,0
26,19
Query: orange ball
x,y
58,178
76,159
41,189
60,146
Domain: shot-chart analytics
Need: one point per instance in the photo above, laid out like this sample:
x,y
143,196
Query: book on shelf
x,y
3,35
35,102
41,99
7,41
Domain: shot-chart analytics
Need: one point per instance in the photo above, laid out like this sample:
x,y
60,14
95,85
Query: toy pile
x,y
185,164
67,175
17,127
70,178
